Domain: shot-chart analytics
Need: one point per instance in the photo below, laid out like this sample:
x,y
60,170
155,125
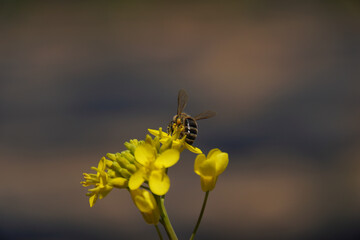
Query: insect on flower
x,y
187,123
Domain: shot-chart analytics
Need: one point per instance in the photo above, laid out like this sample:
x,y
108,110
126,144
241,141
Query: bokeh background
x,y
79,79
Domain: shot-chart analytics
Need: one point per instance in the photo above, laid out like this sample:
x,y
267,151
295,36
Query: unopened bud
x,y
118,182
111,156
131,167
128,156
125,173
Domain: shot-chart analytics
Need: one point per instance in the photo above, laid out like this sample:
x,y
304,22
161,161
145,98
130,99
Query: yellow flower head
x,y
177,143
146,203
210,167
102,182
152,168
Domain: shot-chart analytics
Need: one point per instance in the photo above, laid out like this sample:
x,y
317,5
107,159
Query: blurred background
x,y
77,80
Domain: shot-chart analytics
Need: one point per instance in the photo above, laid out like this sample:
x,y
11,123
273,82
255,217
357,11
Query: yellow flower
x,y
177,143
146,203
102,182
152,168
210,167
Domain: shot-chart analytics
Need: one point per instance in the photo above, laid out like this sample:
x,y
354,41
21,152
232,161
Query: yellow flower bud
x,y
111,156
111,173
118,182
127,154
122,160
125,173
132,145
147,205
131,168
129,146
116,166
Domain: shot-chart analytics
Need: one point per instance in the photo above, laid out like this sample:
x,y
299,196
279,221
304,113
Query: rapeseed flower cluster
x,y
142,170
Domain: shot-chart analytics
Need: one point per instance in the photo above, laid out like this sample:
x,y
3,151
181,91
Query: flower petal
x,y
105,191
102,164
154,132
146,203
136,180
144,153
151,218
193,149
163,140
168,158
141,200
213,152
150,199
159,182
92,200
208,183
208,168
142,204
158,133
222,161
198,161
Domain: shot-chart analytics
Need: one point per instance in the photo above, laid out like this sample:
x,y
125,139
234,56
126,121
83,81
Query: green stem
x,y
200,216
165,219
158,231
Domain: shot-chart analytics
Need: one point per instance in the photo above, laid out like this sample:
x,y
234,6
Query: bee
x,y
188,122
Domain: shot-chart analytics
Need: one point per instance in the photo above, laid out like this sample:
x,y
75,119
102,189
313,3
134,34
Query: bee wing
x,y
205,115
182,100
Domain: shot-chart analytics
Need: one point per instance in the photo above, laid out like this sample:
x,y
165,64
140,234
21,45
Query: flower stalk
x,y
165,221
200,216
158,232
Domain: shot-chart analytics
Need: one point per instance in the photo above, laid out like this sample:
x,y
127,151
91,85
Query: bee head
x,y
175,122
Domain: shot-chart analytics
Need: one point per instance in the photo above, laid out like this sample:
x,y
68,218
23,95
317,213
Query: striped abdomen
x,y
191,130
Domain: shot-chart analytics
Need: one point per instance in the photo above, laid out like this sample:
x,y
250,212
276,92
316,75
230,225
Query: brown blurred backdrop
x,y
79,79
